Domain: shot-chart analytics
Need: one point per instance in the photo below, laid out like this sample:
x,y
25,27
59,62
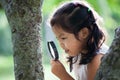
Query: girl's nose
x,y
62,45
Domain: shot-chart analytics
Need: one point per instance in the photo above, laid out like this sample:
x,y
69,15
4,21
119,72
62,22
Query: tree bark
x,y
110,65
24,17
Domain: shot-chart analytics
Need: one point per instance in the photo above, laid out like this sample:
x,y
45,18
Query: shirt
x,y
80,71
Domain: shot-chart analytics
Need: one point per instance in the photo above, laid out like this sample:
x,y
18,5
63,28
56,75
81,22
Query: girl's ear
x,y
83,33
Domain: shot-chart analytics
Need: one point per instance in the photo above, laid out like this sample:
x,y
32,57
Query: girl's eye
x,y
63,38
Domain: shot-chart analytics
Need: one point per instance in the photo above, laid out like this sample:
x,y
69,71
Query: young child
x,y
75,25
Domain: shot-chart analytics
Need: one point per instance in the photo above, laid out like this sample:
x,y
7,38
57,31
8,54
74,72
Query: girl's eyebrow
x,y
61,34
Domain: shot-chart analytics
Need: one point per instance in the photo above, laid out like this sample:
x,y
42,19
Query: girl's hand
x,y
59,70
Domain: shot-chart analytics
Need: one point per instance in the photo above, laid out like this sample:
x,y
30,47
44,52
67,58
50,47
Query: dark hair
x,y
72,17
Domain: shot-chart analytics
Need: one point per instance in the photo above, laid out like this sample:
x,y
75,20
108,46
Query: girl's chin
x,y
72,55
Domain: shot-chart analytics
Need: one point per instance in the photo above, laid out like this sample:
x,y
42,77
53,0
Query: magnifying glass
x,y
53,50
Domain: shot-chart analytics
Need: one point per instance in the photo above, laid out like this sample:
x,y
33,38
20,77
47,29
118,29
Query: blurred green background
x,y
108,9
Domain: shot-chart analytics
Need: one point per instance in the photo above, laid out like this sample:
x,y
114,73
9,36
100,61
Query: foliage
x,y
5,36
6,68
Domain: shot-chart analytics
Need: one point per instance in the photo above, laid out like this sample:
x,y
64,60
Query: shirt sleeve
x,y
103,49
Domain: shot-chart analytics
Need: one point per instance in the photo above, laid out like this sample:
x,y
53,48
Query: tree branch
x,y
110,65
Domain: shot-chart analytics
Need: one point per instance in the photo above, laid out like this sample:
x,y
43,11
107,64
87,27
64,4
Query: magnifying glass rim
x,y
54,49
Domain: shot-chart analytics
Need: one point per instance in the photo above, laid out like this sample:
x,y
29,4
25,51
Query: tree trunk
x,y
24,17
110,65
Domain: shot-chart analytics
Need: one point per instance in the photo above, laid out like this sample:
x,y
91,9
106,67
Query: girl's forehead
x,y
58,31
57,28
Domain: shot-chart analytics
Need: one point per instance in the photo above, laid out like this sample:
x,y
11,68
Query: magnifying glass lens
x,y
53,50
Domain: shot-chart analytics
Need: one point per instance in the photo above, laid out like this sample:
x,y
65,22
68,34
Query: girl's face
x,y
68,42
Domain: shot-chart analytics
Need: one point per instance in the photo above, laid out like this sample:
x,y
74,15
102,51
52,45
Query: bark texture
x,y
24,17
110,66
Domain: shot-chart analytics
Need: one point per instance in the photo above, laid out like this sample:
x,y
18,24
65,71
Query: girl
x,y
76,27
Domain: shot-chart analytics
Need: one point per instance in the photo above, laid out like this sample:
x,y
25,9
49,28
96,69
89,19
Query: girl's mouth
x,y
66,51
